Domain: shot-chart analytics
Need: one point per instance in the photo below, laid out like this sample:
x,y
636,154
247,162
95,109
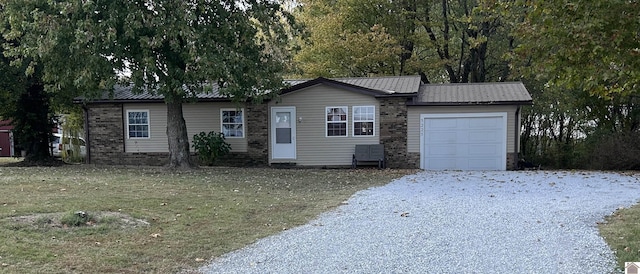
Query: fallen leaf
x,y
199,260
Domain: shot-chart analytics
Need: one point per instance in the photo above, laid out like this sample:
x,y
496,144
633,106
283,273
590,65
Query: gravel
x,y
453,222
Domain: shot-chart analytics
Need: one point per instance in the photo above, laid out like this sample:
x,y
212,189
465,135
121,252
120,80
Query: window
x,y
138,123
336,121
232,123
364,120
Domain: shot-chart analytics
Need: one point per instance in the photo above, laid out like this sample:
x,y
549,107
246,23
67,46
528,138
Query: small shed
x,y
6,139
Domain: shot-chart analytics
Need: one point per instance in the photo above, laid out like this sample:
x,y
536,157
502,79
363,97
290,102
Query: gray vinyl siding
x,y
198,116
313,147
413,113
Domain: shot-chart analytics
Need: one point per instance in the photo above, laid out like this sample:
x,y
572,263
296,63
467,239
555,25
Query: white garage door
x,y
474,141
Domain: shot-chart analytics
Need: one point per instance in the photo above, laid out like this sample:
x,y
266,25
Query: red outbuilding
x,y
6,139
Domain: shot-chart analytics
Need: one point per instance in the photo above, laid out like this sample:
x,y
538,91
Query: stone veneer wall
x,y
512,161
105,134
257,127
106,139
393,133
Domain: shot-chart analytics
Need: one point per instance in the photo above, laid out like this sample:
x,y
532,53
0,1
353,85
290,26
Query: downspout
x,y
516,142
87,137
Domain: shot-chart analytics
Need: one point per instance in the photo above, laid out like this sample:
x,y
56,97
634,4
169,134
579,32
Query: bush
x,y
210,146
77,218
617,151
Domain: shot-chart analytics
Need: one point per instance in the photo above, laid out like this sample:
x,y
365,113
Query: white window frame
x,y
354,121
243,122
327,122
148,124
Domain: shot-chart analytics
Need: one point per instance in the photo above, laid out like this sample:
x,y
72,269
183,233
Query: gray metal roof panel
x,y
390,84
386,84
473,93
126,93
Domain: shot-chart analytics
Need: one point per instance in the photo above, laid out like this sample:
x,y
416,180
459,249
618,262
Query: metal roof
x,y
473,93
125,93
386,84
426,94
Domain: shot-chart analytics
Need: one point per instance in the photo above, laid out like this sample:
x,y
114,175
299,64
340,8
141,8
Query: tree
x,y
583,55
443,41
588,45
338,45
173,48
24,101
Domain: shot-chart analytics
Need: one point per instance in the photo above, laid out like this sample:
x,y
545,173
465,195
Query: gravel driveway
x,y
453,222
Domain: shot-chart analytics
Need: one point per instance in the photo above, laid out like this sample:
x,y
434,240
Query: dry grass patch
x,y
152,220
621,231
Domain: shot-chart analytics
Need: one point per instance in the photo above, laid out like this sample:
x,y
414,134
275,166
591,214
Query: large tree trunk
x,y
32,123
179,154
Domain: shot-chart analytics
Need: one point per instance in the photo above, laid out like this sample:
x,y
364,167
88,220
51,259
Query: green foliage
x,y
174,48
76,218
443,41
210,146
72,125
580,44
24,101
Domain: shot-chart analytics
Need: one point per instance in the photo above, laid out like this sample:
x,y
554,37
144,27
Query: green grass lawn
x,y
153,220
621,231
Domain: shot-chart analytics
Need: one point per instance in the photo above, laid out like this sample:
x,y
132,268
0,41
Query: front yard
x,y
151,220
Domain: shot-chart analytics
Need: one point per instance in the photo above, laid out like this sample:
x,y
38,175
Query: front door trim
x,y
283,133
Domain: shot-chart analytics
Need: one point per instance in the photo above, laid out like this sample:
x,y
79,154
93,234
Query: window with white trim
x,y
336,121
232,123
138,124
364,118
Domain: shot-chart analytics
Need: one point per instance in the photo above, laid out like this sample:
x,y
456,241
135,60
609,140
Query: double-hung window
x,y
232,123
336,121
138,123
364,120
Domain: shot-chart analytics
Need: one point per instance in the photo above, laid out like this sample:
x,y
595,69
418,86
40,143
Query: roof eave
x,y
138,101
502,103
333,83
407,94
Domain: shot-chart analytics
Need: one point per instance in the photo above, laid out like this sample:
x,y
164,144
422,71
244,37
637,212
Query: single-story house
x,y
318,122
7,148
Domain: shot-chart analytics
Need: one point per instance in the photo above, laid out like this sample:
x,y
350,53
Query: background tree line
x,y
580,59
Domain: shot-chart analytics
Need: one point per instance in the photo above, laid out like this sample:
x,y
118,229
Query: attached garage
x,y
474,141
466,126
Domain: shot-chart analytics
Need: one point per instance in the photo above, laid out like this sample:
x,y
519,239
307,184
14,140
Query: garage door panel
x,y
464,143
487,150
446,150
483,135
443,137
442,124
485,122
443,163
482,164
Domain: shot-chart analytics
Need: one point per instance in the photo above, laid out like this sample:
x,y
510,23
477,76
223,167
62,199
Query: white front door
x,y
283,133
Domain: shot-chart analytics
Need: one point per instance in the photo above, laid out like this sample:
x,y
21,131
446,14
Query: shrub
x,y
77,218
617,151
210,146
